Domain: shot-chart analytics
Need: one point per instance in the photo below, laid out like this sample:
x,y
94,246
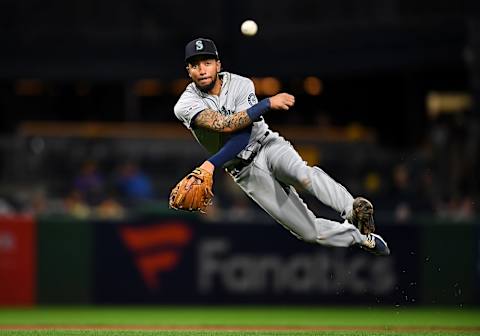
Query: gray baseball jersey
x,y
270,179
237,94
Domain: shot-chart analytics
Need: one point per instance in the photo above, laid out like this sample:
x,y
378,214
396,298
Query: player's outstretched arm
x,y
201,179
229,150
194,192
217,122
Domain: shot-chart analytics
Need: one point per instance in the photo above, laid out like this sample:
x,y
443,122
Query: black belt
x,y
238,164
262,139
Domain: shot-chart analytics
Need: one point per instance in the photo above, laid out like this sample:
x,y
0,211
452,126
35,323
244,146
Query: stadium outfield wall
x,y
166,258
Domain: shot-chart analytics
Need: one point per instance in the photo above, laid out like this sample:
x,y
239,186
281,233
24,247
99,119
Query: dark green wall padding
x,y
65,260
448,256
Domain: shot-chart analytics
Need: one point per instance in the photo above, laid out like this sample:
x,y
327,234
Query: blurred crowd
x,y
90,193
436,179
93,194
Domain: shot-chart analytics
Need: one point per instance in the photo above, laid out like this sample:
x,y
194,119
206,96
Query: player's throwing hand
x,y
282,101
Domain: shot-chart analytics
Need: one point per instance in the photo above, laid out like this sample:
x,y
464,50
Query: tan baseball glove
x,y
193,192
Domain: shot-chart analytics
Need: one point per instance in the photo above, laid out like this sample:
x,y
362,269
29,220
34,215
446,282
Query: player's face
x,y
203,72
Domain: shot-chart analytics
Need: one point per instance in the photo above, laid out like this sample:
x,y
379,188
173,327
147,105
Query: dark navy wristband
x,y
257,110
231,148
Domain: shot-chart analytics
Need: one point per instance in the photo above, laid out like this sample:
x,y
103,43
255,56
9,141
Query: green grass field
x,y
233,321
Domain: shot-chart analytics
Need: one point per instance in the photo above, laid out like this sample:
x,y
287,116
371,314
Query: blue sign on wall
x,y
179,261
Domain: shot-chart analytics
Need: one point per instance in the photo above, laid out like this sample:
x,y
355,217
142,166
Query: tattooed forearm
x,y
218,122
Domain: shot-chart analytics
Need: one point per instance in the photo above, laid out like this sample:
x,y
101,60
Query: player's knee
x,y
306,177
304,182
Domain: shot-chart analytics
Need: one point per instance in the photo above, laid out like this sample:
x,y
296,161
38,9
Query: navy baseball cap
x,y
200,46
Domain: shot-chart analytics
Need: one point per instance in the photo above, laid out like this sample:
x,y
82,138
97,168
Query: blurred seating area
x,y
109,171
387,101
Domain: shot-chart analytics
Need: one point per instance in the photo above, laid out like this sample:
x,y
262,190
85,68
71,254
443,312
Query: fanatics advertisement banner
x,y
175,260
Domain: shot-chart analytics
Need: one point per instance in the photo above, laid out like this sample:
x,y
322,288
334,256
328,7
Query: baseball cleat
x,y
376,245
362,215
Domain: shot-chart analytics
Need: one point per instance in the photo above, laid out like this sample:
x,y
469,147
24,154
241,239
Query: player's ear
x,y
219,66
188,71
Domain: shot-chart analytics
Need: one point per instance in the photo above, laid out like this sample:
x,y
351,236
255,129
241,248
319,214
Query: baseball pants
x,y
270,181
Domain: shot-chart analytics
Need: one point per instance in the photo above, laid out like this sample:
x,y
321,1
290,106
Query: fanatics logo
x,y
157,248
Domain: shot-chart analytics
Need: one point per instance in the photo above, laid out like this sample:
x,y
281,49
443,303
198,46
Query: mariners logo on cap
x,y
200,46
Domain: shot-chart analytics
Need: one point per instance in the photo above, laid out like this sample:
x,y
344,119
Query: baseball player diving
x,y
222,112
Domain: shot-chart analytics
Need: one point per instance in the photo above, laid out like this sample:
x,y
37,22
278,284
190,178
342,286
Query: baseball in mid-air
x,y
249,28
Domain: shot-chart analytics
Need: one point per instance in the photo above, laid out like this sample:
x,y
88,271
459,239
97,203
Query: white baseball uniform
x,y
269,167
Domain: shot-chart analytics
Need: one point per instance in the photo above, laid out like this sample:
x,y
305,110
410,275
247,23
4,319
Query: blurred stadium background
x,y
387,103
